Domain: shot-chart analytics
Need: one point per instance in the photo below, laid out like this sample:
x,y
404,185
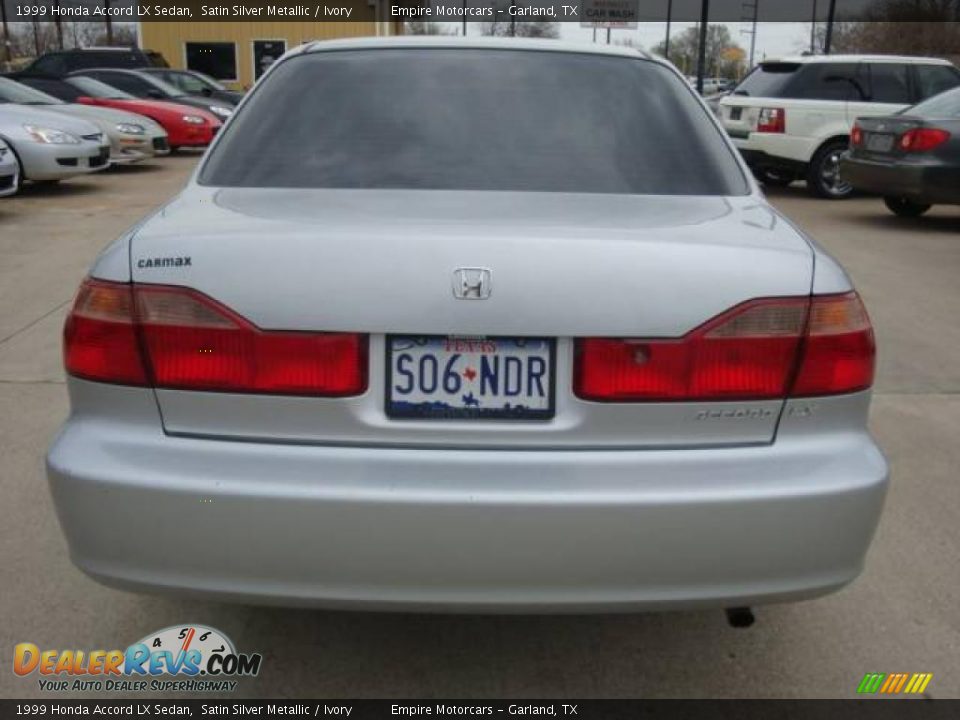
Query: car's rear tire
x,y
904,207
823,174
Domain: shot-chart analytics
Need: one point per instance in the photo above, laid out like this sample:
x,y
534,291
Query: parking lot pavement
x,y
901,616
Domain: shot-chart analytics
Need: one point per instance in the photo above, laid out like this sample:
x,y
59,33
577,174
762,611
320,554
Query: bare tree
x,y
526,29
424,27
900,27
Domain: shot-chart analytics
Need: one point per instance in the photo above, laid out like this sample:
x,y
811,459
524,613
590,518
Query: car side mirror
x,y
155,94
207,92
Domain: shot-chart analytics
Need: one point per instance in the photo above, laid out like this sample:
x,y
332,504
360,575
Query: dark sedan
x,y
195,83
147,87
912,158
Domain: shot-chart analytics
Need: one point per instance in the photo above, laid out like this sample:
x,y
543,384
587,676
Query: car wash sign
x,y
610,13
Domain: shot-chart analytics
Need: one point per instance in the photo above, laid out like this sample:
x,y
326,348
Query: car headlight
x,y
193,119
221,110
130,128
51,135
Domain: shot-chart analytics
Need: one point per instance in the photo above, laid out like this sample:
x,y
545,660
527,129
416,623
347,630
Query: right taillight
x,y
838,350
174,337
923,139
772,120
762,349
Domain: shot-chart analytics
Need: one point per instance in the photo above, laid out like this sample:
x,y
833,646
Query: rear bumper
x,y
463,530
926,183
777,148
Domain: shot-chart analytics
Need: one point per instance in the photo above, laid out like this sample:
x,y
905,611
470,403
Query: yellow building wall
x,y
170,38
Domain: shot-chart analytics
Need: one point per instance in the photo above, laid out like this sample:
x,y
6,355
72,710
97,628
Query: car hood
x,y
107,115
19,115
383,260
166,108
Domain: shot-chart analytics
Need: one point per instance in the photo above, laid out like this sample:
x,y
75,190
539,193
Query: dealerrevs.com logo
x,y
180,658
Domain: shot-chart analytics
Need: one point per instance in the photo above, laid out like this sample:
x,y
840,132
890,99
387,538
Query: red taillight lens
x,y
838,351
772,120
856,136
100,338
192,342
748,353
923,139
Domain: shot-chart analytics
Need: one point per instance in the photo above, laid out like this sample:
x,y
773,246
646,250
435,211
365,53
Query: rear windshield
x,y
462,119
767,80
944,105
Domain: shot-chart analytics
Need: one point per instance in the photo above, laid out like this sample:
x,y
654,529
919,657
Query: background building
x,y
237,53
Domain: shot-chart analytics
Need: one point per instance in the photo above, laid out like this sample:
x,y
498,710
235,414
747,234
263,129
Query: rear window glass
x,y
475,120
768,80
945,105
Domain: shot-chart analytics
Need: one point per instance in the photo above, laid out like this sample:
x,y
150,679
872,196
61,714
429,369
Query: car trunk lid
x,y
562,266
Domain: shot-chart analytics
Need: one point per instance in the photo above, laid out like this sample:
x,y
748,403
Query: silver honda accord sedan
x,y
507,327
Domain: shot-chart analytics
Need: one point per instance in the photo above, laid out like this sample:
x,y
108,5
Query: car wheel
x,y
775,178
20,177
904,207
823,175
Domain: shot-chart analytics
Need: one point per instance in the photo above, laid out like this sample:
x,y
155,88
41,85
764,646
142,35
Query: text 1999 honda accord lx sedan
x,y
506,327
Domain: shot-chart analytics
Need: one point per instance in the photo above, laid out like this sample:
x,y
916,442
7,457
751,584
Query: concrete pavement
x,y
903,615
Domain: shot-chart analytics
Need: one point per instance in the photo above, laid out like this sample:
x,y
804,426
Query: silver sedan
x,y
48,146
509,326
132,137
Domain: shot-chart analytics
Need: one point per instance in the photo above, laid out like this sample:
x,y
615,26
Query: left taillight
x,y
100,336
177,338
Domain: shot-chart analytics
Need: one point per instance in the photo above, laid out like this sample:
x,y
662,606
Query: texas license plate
x,y
450,378
879,143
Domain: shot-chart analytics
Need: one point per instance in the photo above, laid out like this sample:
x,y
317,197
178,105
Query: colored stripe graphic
x,y
871,682
894,683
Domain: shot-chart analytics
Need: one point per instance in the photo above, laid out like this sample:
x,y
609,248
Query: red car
x,y
186,126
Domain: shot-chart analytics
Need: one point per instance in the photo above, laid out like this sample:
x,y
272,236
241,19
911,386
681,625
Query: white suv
x,y
791,117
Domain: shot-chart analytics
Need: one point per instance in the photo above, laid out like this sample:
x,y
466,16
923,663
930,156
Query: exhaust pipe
x,y
740,617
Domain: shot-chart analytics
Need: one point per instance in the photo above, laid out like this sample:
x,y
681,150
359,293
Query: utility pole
x,y
831,14
608,35
813,30
666,42
513,19
6,32
702,50
106,5
58,23
465,17
748,13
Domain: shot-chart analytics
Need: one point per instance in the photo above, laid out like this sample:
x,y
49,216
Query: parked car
x,y
132,137
196,83
9,171
389,352
61,62
147,87
49,146
185,126
911,158
791,118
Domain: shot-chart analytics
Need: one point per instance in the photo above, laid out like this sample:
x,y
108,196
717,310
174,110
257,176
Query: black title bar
x,y
580,11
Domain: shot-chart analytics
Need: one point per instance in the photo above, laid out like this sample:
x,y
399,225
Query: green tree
x,y
720,62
